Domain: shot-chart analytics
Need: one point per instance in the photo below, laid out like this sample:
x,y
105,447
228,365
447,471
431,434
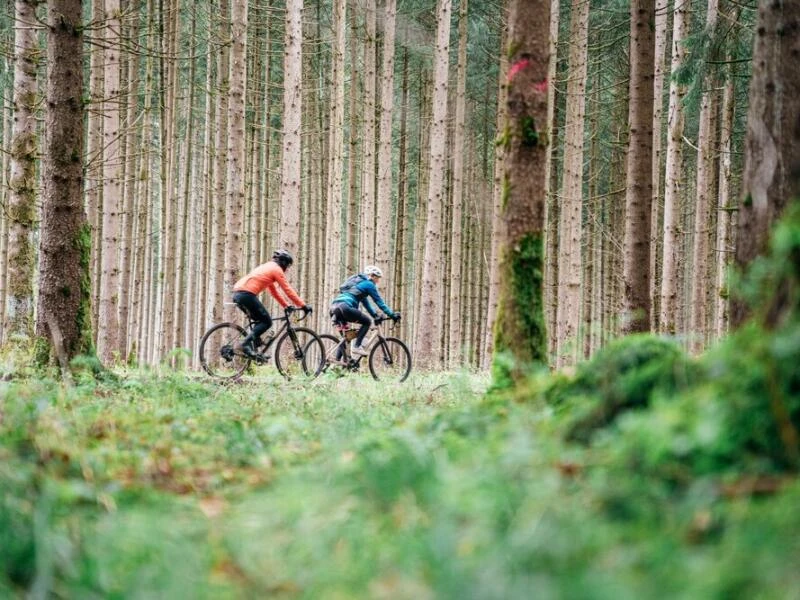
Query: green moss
x,y
505,192
529,136
504,141
83,242
748,201
520,335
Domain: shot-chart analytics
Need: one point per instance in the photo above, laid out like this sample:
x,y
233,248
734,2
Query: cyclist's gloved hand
x,y
396,317
307,309
289,310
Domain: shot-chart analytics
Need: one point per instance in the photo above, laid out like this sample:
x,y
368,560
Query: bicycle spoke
x,y
299,354
390,360
219,351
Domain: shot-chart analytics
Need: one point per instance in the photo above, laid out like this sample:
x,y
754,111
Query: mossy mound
x,y
622,376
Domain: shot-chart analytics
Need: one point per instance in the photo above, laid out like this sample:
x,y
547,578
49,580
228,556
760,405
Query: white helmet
x,y
373,270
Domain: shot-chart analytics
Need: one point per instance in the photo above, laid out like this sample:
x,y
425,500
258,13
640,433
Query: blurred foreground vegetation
x,y
644,474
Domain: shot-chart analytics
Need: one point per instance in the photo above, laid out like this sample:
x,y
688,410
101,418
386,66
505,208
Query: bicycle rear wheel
x,y
219,351
299,354
390,360
330,343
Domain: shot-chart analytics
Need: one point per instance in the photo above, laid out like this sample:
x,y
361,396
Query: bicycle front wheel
x,y
299,354
219,351
390,360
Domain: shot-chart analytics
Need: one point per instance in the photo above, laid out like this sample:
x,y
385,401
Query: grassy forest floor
x,y
178,488
643,474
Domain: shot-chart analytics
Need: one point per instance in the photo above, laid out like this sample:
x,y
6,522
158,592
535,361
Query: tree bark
x,y
64,289
639,181
672,182
292,119
520,337
429,337
108,313
570,223
772,147
18,320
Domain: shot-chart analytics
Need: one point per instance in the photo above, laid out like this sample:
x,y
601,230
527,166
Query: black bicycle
x,y
389,359
299,352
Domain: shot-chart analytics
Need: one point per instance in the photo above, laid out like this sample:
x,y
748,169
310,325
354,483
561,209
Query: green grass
x,y
173,487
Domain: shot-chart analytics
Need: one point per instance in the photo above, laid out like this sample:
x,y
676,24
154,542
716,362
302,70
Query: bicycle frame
x,y
373,335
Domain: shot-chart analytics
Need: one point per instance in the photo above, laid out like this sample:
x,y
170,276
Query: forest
x,y
585,211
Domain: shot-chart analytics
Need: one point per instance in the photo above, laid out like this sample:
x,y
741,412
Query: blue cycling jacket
x,y
360,294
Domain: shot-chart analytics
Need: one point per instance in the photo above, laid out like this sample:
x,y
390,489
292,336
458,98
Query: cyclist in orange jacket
x,y
269,276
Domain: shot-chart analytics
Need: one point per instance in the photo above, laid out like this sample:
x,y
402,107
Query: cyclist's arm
x,y
289,290
368,307
273,291
373,292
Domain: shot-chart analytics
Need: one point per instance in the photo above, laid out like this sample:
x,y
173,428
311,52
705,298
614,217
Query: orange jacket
x,y
264,277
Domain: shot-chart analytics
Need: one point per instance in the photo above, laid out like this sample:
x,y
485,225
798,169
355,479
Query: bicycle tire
x,y
303,360
329,343
390,359
218,355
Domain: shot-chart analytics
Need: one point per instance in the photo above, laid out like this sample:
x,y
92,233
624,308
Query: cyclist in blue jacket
x,y
354,291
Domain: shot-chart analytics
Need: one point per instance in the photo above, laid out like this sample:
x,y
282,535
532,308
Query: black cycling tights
x,y
349,314
253,307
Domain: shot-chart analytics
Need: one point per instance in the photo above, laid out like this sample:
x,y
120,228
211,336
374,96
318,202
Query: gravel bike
x,y
299,352
388,358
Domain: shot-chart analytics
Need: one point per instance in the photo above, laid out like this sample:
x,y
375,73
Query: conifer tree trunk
x,y
673,176
217,289
725,247
551,216
384,230
108,313
496,222
639,181
456,225
21,207
94,156
352,218
772,148
63,312
236,157
367,207
698,324
333,253
292,118
520,337
656,224
431,309
570,211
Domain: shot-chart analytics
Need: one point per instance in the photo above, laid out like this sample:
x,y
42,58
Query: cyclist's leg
x,y
258,313
353,315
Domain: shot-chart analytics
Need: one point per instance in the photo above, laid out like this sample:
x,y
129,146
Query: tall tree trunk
x,y
22,180
428,337
108,313
639,181
673,177
456,350
725,247
551,216
656,248
496,220
94,156
772,148
367,208
217,289
236,147
520,337
570,211
292,118
333,253
352,219
698,324
384,230
63,313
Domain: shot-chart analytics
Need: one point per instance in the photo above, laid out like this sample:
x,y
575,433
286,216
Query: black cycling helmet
x,y
283,258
